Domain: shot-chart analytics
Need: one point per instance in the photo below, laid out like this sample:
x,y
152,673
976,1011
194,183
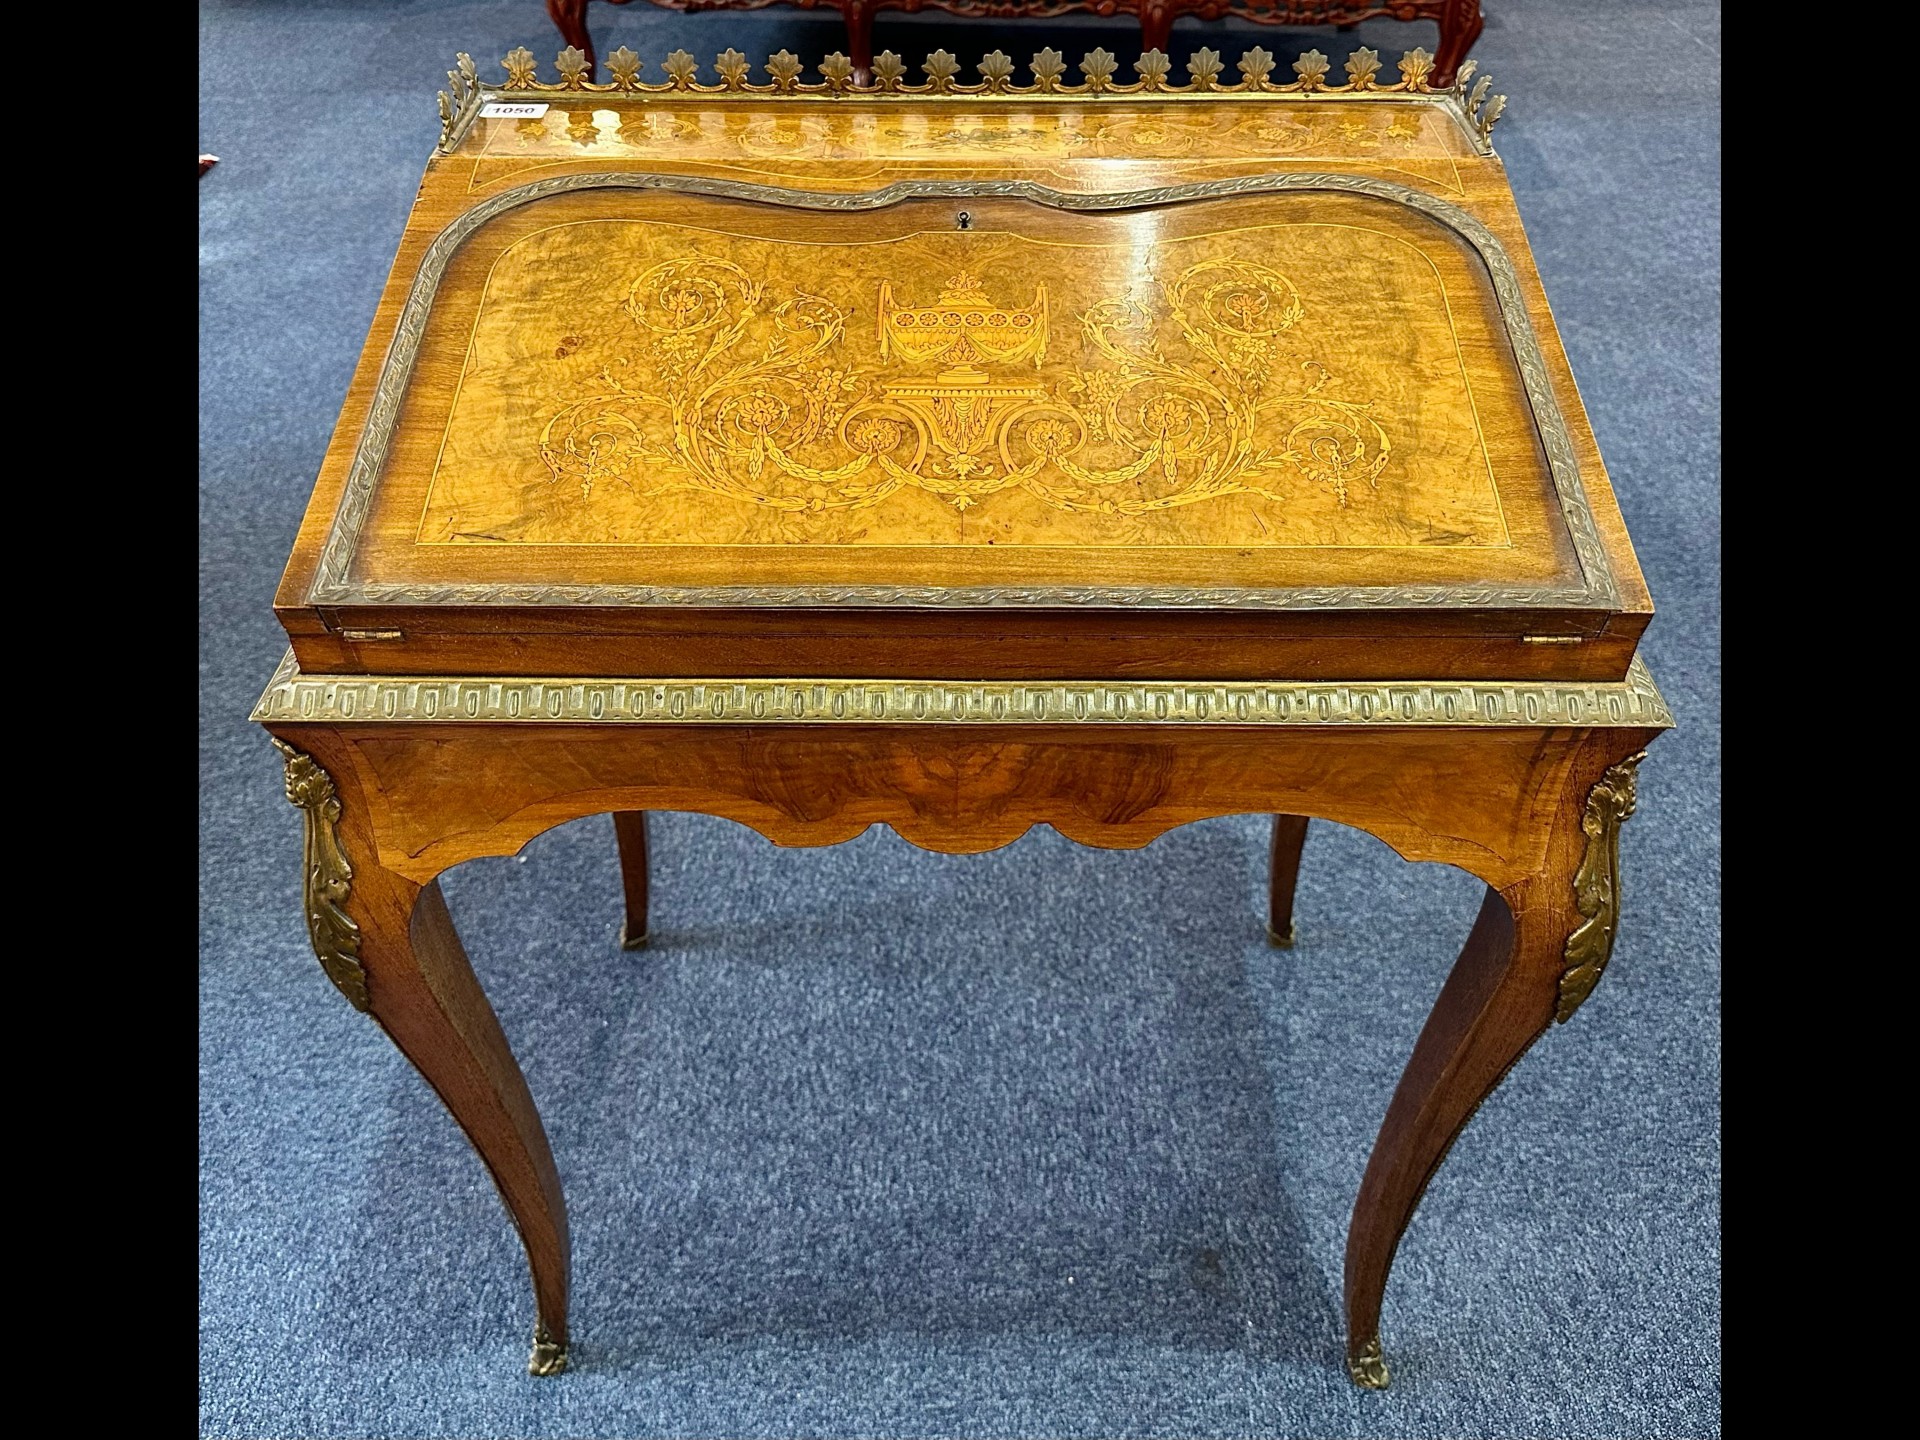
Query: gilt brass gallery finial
x,y
1099,75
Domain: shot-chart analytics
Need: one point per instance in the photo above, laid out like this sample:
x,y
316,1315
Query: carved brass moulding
x,y
296,698
1467,99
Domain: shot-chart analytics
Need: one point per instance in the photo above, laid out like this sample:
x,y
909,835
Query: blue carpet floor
x,y
1045,1142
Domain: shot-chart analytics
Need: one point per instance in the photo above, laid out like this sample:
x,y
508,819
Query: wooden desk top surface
x,y
1214,383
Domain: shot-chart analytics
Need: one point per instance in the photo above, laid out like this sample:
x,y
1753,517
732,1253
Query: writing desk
x,y
964,455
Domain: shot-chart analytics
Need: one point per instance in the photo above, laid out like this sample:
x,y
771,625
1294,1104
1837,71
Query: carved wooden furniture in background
x,y
1459,21
821,456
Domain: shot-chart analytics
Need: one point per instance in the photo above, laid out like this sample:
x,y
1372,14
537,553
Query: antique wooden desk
x,y
963,456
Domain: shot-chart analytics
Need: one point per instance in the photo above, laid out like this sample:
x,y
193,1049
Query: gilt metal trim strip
x,y
1596,885
333,583
326,879
294,698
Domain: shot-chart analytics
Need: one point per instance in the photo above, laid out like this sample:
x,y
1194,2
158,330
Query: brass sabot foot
x,y
634,942
548,1358
1368,1369
1279,941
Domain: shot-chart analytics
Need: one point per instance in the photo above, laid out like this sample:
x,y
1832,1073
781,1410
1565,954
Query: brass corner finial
x,y
458,107
1496,107
1475,108
1596,884
1099,71
326,879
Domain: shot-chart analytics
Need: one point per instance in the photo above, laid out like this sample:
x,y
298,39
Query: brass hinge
x,y
362,637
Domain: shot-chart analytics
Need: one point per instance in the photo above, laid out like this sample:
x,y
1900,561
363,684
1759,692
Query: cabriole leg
x,y
1535,953
1289,835
630,830
390,946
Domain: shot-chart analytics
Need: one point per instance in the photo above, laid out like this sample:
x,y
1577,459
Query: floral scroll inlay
x,y
1185,391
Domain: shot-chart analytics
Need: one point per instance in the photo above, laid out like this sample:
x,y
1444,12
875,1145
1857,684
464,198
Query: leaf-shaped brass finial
x,y
1312,70
1464,73
519,63
1362,66
1479,93
838,71
940,68
572,65
459,101
732,66
624,66
1098,66
681,67
1205,67
1255,66
1415,66
887,70
996,68
784,67
1048,66
1153,67
1492,113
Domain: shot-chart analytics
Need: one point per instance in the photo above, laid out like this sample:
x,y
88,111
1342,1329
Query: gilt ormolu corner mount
x,y
326,879
1493,723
